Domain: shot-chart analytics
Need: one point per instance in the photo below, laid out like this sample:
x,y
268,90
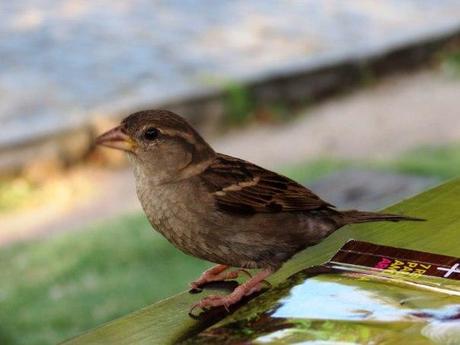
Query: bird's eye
x,y
151,133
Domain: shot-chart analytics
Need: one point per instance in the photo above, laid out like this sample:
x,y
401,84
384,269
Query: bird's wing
x,y
242,187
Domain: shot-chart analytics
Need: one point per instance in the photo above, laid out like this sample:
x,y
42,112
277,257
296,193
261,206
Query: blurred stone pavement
x,y
369,190
67,61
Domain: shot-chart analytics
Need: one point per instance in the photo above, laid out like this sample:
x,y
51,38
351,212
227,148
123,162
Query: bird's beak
x,y
116,138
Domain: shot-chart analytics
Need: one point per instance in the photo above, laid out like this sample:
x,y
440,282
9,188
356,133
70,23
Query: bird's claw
x,y
195,289
196,286
252,286
211,302
246,272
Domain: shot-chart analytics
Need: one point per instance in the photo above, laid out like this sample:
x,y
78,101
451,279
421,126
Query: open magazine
x,y
366,294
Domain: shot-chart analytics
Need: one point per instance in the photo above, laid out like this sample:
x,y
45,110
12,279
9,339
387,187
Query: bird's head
x,y
160,144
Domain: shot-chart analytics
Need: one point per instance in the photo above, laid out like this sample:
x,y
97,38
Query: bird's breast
x,y
174,214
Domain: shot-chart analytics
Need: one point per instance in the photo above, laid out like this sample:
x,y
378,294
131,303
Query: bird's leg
x,y
253,285
216,273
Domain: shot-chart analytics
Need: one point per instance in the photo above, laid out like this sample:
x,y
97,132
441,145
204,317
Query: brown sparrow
x,y
220,208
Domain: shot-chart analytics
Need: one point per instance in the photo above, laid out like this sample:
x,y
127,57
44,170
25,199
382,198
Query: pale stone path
x,y
398,114
64,61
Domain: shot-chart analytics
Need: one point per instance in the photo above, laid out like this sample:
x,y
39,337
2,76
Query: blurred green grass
x,y
450,61
440,161
14,193
57,288
436,161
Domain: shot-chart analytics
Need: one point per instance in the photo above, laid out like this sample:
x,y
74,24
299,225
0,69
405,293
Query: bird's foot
x,y
226,301
252,286
214,274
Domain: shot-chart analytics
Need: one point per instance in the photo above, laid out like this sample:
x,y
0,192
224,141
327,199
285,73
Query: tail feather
x,y
355,216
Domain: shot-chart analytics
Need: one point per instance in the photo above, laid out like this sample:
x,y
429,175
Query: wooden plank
x,y
167,321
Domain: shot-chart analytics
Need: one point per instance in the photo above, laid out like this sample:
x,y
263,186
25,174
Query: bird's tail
x,y
354,216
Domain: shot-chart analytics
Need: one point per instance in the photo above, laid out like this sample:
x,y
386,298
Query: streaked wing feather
x,y
242,187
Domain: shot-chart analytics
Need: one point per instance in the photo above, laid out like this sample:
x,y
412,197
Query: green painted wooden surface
x,y
166,321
